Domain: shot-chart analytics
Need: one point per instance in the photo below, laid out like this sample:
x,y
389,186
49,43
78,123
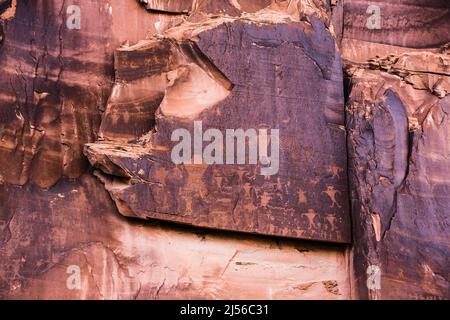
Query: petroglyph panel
x,y
250,75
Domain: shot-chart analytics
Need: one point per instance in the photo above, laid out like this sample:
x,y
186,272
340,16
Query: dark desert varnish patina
x,y
266,75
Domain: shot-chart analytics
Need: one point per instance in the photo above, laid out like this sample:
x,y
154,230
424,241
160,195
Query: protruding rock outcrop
x,y
276,80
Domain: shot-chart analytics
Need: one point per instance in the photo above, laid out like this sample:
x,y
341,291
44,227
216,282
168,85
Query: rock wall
x,y
382,27
397,74
74,226
398,145
207,77
90,93
57,219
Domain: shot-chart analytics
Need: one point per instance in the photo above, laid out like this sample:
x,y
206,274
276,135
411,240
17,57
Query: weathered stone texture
x,y
398,128
55,82
77,224
57,93
405,25
109,94
232,74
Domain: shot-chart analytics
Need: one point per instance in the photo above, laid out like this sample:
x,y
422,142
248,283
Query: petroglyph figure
x,y
302,197
335,171
331,193
311,214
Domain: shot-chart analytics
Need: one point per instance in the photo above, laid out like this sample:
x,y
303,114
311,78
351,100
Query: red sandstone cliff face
x,y
381,27
91,94
64,96
213,72
398,86
56,82
398,146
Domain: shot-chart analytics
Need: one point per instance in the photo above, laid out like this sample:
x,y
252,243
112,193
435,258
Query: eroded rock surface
x,y
171,6
256,73
75,226
384,27
57,94
398,128
57,72
260,63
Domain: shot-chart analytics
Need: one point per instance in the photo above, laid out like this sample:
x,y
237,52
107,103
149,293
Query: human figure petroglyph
x,y
308,154
302,197
311,214
331,193
331,218
247,187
